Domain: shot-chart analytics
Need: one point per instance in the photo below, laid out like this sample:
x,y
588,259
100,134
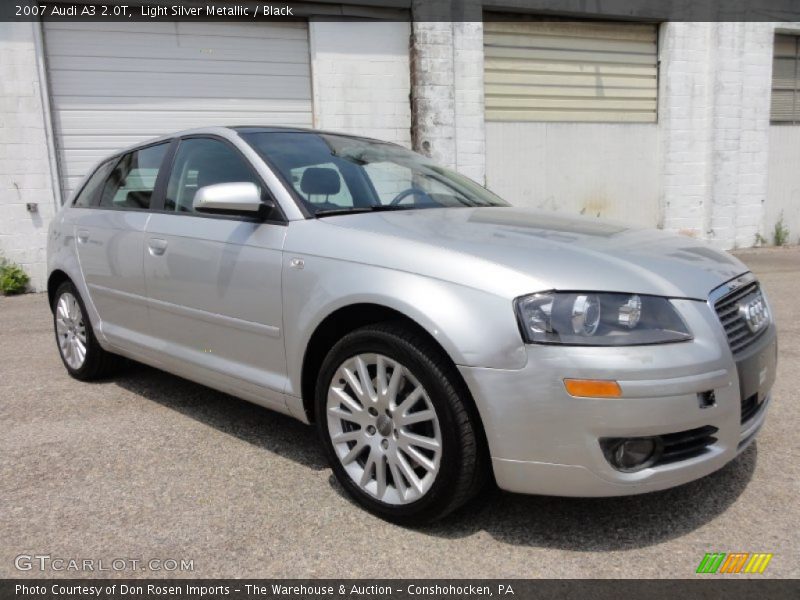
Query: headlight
x,y
599,319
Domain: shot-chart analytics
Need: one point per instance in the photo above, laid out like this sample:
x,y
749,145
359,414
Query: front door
x,y
214,282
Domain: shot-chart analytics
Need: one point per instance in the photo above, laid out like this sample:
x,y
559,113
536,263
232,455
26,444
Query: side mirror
x,y
239,198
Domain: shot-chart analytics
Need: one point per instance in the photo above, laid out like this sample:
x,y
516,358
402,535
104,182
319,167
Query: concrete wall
x,y
783,189
783,173
25,174
714,122
361,79
702,171
447,90
597,169
470,136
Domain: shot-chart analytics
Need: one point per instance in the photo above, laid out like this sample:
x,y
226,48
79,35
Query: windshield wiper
x,y
332,212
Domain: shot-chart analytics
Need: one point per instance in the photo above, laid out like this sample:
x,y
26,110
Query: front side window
x,y
200,162
335,173
131,183
88,195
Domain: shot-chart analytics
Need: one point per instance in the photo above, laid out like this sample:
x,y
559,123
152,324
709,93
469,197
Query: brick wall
x,y
714,121
470,129
433,91
447,85
24,159
783,186
361,79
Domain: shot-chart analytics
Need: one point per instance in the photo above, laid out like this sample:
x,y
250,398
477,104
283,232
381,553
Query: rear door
x,y
214,282
109,235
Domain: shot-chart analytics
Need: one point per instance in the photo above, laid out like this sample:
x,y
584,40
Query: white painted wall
x,y
470,133
25,174
447,88
433,91
684,99
714,122
702,171
361,78
597,169
783,190
783,175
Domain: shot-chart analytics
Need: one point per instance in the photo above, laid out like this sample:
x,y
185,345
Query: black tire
x,y
98,363
463,468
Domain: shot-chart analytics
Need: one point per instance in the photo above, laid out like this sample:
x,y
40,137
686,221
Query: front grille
x,y
739,334
686,444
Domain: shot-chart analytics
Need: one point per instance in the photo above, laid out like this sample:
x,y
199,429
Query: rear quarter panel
x,y
62,255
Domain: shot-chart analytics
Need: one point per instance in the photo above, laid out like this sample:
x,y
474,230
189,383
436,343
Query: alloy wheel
x,y
384,428
71,331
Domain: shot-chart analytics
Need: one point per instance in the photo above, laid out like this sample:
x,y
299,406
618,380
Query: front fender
x,y
474,327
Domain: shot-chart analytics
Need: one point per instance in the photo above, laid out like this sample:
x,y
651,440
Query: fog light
x,y
631,454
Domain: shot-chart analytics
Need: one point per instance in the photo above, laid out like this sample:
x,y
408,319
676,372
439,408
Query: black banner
x,y
399,10
346,589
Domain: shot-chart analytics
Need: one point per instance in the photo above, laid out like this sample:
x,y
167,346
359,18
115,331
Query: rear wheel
x,y
392,415
80,352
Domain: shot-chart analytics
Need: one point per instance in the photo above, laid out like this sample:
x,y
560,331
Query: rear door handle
x,y
83,236
157,246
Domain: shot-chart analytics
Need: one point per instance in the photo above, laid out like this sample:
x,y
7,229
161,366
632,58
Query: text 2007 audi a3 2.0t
x,y
435,335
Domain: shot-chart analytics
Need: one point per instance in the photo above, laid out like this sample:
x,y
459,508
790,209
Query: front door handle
x,y
83,236
157,246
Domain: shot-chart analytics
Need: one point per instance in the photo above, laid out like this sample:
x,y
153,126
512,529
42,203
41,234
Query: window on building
x,y
570,71
786,80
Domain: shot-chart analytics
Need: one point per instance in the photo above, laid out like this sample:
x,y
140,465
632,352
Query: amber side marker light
x,y
592,388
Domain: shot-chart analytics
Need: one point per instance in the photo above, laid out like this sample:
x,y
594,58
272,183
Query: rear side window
x,y
200,162
131,183
88,195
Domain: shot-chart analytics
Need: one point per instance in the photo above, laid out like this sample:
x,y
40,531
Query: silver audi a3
x,y
436,336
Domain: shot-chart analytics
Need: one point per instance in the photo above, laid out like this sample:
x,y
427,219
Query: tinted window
x,y
88,195
131,183
200,162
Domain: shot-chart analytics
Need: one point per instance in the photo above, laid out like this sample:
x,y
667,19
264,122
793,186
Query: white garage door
x,y
116,84
582,71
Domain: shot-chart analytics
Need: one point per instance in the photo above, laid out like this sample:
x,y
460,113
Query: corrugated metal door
x,y
560,71
570,117
115,84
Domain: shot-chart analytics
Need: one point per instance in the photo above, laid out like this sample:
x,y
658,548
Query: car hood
x,y
535,251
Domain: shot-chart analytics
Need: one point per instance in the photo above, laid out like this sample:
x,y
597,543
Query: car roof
x,y
239,129
287,129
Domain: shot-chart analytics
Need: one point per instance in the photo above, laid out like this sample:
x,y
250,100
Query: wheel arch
x,y
54,280
345,319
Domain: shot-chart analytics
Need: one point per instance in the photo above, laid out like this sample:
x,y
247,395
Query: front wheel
x,y
393,417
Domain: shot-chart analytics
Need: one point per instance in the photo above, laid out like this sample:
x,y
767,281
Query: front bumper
x,y
544,441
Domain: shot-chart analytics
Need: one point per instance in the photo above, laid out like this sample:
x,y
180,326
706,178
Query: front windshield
x,y
335,174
